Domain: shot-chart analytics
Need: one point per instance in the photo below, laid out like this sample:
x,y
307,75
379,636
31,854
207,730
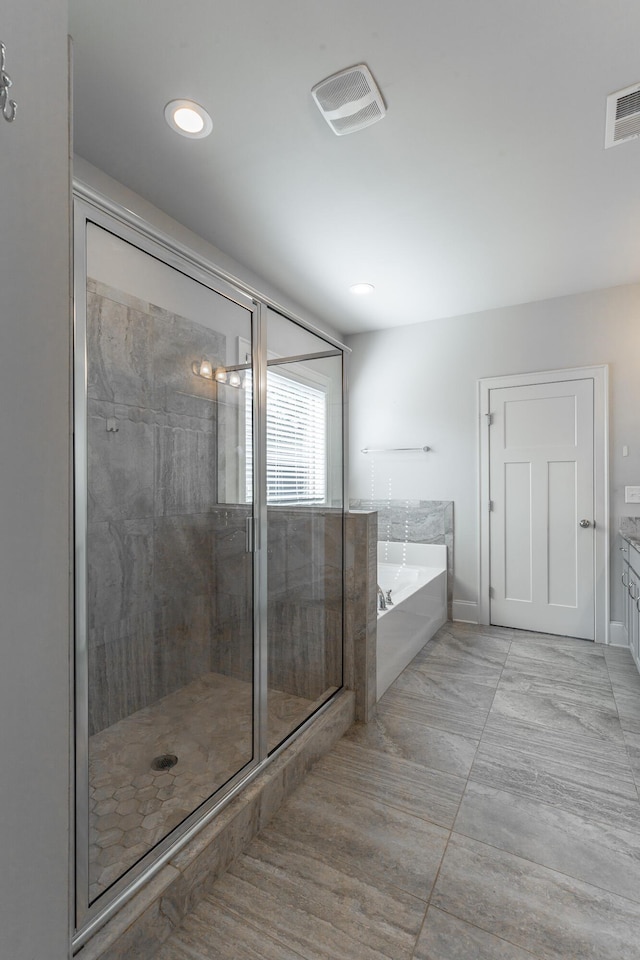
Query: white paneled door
x,y
541,482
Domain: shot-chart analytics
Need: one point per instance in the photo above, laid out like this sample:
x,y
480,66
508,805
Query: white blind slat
x,y
296,441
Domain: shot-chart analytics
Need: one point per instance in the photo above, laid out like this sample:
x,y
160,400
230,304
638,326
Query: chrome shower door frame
x,y
92,207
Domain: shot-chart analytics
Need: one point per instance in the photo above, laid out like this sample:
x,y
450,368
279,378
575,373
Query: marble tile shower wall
x,y
304,616
305,589
232,626
416,521
169,580
151,502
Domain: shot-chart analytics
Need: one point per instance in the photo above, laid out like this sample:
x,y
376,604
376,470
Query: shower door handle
x,y
251,532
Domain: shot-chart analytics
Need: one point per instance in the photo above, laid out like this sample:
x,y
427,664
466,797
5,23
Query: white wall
x,y
34,487
112,189
417,385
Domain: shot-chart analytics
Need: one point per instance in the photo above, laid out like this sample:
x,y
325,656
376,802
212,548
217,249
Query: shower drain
x,y
165,762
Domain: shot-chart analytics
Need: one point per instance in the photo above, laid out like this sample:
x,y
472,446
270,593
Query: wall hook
x,y
8,107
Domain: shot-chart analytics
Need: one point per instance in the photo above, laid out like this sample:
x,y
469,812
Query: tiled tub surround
x,y
490,812
415,521
415,574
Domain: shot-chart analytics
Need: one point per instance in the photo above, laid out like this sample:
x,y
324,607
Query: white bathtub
x,y
416,574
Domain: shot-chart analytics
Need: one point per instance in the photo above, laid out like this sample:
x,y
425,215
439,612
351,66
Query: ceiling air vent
x,y
623,116
349,100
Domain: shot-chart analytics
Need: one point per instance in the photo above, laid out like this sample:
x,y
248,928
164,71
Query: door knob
x,y
585,523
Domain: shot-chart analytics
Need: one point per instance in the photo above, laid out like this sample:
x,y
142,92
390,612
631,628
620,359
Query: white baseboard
x,y
617,634
465,610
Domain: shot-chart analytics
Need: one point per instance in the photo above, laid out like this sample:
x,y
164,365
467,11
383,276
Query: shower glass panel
x,y
304,495
169,581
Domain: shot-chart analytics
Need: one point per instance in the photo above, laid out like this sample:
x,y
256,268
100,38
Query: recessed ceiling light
x,y
188,118
362,289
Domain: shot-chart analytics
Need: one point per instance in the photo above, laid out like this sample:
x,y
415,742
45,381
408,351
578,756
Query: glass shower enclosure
x,y
209,523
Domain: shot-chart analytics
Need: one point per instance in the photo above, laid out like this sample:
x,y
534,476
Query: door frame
x,y
600,376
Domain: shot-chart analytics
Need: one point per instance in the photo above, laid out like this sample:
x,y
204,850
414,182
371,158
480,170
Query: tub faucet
x,y
382,603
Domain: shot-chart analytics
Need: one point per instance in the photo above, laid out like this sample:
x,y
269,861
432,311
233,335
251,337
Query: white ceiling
x,y
487,183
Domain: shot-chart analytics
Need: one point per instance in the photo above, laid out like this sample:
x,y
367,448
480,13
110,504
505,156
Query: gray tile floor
x,y
489,813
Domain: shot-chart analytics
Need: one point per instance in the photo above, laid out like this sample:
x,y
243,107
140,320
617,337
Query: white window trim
x,y
308,377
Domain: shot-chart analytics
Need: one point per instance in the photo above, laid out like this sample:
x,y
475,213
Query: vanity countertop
x,y
630,530
630,533
634,541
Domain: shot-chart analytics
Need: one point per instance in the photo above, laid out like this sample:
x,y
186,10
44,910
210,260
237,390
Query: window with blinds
x,y
296,441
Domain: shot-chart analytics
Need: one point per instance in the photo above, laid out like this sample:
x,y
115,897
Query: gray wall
x,y
433,400
34,487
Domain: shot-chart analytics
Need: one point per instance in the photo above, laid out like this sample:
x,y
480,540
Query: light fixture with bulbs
x,y
229,375
203,368
361,289
188,118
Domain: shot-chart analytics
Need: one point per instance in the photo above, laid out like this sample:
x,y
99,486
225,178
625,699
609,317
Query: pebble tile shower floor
x,y
490,812
207,725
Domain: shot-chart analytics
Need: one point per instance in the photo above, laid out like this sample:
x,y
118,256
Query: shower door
x,y
209,545
304,502
166,605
